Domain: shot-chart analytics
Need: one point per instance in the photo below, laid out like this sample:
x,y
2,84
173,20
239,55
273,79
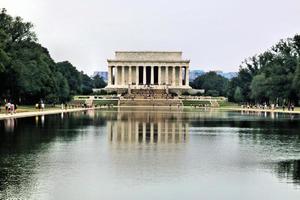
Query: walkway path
x,y
296,111
45,112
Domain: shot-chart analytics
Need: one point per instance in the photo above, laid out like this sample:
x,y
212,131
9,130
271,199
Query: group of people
x,y
10,108
40,105
260,106
291,107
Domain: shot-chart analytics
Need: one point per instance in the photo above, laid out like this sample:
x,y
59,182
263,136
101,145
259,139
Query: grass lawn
x,y
105,102
226,104
194,102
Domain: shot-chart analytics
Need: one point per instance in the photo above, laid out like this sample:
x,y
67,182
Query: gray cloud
x,y
213,34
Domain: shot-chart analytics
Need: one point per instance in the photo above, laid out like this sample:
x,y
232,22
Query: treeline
x,y
213,84
269,77
27,71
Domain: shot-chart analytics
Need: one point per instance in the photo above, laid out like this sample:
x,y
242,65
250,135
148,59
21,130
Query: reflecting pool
x,y
151,154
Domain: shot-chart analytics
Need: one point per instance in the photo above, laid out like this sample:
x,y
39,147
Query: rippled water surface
x,y
151,154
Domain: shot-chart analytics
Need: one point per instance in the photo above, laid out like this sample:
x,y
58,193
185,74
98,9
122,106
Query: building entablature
x,y
147,63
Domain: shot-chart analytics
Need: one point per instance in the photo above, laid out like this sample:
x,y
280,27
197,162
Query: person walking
x,y
15,105
8,106
12,108
293,107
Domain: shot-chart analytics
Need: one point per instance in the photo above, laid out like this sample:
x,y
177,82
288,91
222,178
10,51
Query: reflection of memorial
x,y
148,127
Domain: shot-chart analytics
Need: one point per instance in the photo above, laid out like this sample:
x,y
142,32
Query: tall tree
x,y
98,82
73,76
238,96
272,76
28,72
212,83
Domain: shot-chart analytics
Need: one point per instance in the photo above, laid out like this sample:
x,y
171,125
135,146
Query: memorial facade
x,y
148,69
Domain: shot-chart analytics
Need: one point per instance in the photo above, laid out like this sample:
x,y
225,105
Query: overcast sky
x,y
213,34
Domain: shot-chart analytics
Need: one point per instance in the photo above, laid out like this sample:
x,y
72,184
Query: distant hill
x,y
228,75
195,73
103,74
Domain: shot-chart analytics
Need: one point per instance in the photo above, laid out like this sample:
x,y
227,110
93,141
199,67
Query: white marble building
x,y
141,69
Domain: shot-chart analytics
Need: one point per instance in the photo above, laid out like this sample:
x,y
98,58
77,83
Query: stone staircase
x,y
148,97
149,102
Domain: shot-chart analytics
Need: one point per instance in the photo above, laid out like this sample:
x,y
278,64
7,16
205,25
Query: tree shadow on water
x,y
288,171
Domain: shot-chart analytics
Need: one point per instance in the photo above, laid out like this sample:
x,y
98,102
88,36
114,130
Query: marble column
x,y
130,73
187,76
144,75
167,75
109,76
152,75
173,76
159,75
123,75
137,75
116,76
180,76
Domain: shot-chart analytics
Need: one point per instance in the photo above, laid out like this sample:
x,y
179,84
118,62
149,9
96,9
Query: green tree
x,y
231,87
238,96
98,82
271,76
73,76
87,84
258,88
296,81
27,70
212,83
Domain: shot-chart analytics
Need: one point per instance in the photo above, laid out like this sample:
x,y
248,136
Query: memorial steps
x,y
149,102
148,97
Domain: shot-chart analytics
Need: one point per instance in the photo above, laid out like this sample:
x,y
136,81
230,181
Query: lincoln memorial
x,y
148,69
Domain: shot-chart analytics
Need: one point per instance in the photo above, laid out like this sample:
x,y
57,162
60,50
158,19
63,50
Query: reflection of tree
x,y
246,121
31,133
22,141
269,137
289,170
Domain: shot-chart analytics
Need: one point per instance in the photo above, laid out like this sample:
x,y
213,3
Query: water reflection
x,y
9,124
288,171
135,150
40,120
272,115
137,127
